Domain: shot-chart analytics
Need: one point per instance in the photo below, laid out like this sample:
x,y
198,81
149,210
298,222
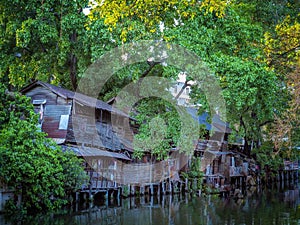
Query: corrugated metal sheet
x,y
216,124
58,140
52,115
80,98
95,152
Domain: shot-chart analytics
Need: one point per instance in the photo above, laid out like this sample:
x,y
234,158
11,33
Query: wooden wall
x,y
53,113
40,92
109,172
104,172
95,128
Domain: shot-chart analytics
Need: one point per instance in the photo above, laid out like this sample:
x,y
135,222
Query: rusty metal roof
x,y
78,97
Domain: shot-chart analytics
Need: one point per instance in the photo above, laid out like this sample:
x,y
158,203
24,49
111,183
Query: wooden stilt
x,y
132,190
163,187
151,200
106,197
163,201
158,190
180,187
186,185
142,190
119,197
77,197
118,193
142,199
132,203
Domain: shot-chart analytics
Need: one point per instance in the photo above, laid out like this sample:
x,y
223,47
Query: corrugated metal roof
x,y
80,98
217,124
220,153
94,152
58,140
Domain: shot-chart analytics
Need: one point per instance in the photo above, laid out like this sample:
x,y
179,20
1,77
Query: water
x,y
259,206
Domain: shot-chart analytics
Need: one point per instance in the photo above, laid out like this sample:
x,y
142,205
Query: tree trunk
x,y
73,64
73,71
247,147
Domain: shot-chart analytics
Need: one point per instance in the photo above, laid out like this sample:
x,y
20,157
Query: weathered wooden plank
x,y
88,131
39,92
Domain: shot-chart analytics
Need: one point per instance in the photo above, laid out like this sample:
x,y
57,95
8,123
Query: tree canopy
x,y
43,40
252,48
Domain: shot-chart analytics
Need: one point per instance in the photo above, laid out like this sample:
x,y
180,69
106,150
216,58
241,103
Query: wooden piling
x,y
132,190
151,189
163,188
158,190
186,186
142,190
170,187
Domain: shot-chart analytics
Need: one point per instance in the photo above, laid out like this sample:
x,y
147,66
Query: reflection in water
x,y
260,206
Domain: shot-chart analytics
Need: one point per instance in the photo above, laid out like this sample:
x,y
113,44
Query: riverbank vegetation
x,y
41,175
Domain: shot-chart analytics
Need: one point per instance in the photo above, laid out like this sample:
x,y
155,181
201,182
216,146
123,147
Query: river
x,y
258,206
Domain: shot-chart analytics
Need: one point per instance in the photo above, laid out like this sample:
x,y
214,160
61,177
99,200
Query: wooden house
x,y
219,162
99,133
91,128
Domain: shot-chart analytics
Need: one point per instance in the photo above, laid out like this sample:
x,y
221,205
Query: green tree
x,y
43,40
225,34
282,45
232,48
32,165
270,13
151,13
283,56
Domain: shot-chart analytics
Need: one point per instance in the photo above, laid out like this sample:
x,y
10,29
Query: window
x,y
63,122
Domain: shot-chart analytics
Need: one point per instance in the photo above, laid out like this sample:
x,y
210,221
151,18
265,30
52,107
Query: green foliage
x,y
232,48
272,12
73,172
42,40
194,170
159,128
267,156
32,165
125,191
282,46
250,93
283,56
151,13
194,174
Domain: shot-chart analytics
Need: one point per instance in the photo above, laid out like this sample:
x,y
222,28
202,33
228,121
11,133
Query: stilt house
x,y
99,133
86,126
